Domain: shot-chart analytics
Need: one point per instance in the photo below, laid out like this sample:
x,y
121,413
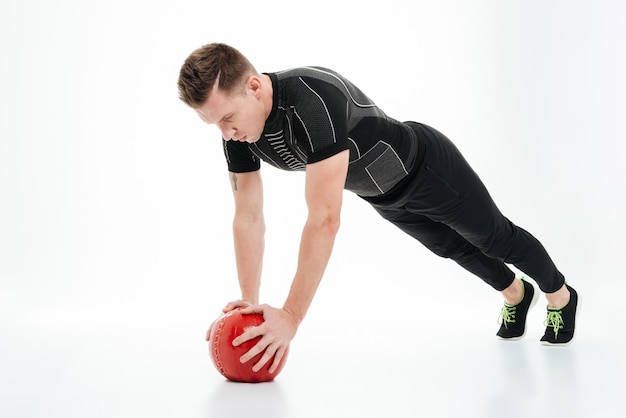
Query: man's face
x,y
240,116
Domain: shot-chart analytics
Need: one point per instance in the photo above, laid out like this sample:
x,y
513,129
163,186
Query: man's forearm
x,y
249,240
316,246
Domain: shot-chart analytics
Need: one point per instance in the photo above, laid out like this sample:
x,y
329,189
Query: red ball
x,y
225,356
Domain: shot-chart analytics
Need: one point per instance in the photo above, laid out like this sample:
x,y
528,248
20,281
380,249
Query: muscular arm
x,y
248,232
325,181
324,185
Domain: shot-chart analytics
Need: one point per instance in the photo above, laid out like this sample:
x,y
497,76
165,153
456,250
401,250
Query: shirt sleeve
x,y
239,157
322,120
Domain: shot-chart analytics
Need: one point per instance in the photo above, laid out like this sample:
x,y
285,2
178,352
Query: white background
x,y
115,209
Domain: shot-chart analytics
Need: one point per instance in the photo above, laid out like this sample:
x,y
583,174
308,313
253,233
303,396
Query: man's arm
x,y
248,232
325,181
249,237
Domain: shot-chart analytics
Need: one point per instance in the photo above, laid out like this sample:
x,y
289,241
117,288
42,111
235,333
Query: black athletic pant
x,y
445,206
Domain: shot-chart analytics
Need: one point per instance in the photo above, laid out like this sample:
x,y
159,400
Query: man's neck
x,y
267,94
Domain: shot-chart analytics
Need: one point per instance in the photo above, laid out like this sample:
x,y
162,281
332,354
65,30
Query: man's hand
x,y
276,333
236,305
229,307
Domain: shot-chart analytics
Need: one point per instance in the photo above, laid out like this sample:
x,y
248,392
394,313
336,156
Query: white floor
x,y
408,360
115,249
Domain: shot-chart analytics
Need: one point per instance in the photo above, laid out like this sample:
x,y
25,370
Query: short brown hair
x,y
206,65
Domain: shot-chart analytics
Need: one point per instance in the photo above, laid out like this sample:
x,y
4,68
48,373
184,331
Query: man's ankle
x,y
558,299
514,293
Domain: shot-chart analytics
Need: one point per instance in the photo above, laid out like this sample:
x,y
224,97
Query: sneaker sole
x,y
533,302
549,344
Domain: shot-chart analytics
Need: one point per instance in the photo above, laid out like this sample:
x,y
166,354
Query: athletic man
x,y
314,119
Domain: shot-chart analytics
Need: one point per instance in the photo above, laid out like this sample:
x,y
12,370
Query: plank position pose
x,y
315,120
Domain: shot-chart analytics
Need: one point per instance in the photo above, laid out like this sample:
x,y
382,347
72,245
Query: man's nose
x,y
228,132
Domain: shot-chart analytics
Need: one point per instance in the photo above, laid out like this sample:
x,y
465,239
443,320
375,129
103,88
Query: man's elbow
x,y
333,225
248,223
329,223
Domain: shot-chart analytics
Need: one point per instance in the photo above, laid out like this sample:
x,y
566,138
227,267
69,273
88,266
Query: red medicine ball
x,y
225,357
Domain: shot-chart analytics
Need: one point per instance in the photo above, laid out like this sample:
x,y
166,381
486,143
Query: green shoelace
x,y
554,320
507,315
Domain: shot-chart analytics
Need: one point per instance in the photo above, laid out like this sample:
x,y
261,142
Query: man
x,y
314,119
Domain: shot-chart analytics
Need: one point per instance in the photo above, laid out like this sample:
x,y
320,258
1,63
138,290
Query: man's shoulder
x,y
321,74
322,80
307,71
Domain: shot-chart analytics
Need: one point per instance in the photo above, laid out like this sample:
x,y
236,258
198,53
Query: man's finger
x,y
267,356
253,352
253,309
278,356
234,305
248,334
208,331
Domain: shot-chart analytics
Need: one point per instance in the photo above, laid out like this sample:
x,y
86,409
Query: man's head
x,y
210,64
223,87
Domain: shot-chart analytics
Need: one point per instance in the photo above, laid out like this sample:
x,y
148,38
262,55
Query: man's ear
x,y
254,84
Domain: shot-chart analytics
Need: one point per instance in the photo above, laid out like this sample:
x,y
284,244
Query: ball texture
x,y
225,356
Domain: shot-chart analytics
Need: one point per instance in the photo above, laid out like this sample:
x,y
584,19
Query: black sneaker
x,y
513,317
561,322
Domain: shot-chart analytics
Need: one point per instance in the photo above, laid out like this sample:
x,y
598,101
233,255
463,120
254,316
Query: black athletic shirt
x,y
316,114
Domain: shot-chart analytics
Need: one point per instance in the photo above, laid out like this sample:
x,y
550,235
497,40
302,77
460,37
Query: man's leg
x,y
446,190
445,242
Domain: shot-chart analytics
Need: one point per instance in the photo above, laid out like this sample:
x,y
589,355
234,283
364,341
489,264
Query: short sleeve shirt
x,y
316,114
